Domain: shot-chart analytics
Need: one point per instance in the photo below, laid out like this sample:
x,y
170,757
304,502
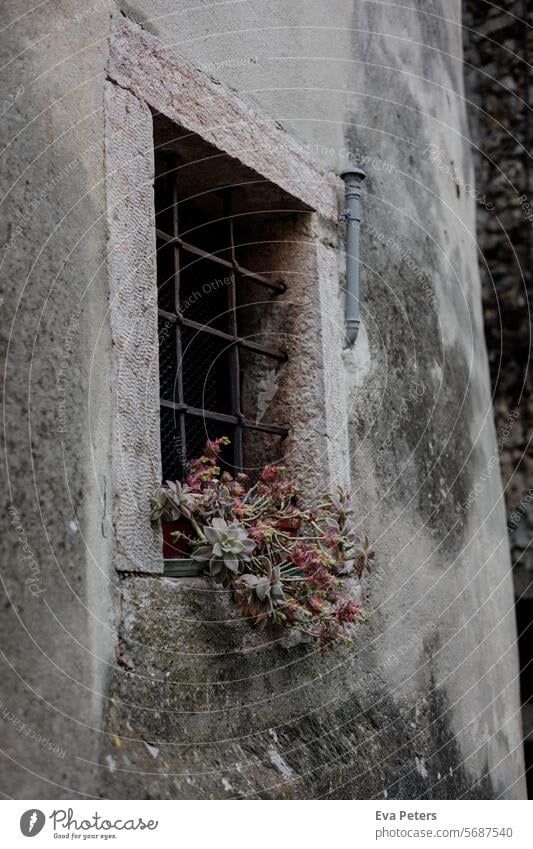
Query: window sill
x,y
182,567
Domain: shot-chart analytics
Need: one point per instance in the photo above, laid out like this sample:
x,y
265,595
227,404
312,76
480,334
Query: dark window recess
x,y
201,351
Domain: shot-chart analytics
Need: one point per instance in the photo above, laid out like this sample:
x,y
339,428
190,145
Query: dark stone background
x,y
499,84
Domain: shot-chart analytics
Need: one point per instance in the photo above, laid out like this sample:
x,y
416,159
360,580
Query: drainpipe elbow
x,y
351,331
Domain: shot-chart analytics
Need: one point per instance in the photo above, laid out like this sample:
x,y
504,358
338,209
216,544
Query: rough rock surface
x,y
496,84
499,84
206,707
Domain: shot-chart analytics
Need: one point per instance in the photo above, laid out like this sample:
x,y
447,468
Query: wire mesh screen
x,y
165,277
167,327
200,349
206,371
204,289
172,449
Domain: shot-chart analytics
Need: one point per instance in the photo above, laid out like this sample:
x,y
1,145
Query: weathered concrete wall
x,y
426,703
56,564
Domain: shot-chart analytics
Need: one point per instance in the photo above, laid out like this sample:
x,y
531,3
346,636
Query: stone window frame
x,y
145,77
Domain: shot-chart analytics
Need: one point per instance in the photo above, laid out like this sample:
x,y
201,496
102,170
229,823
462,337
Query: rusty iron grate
x,y
199,342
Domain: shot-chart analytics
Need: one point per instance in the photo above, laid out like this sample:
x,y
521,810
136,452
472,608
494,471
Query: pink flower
x,y
257,534
286,489
302,555
213,447
315,603
236,488
193,482
269,474
347,612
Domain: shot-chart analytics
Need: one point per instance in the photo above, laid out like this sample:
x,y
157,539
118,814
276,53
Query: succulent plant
x,y
265,588
257,596
362,555
227,546
238,532
172,501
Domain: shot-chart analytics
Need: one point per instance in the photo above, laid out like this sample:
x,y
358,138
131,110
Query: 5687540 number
x,y
490,831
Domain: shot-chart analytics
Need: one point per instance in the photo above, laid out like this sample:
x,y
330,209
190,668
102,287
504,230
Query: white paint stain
x,y
279,763
421,767
111,763
356,361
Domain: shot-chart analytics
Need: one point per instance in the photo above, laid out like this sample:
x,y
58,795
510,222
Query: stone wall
x,y
499,83
495,71
150,685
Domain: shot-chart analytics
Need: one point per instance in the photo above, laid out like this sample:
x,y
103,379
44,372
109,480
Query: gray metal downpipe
x,y
353,179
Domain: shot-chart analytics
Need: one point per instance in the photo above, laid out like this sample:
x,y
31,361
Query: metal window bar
x,y
176,404
234,352
178,384
277,286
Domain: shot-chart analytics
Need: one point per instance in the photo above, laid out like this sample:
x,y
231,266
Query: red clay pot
x,y
180,547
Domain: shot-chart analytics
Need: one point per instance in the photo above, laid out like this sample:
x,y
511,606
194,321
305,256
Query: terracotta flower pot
x,y
175,548
177,553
